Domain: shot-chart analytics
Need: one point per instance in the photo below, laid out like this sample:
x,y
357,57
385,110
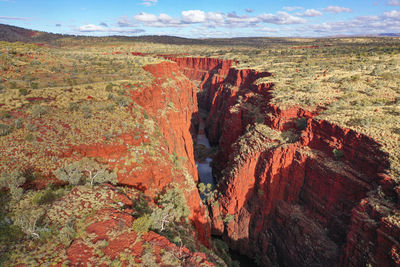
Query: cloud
x,y
337,9
58,25
124,21
163,20
193,16
13,18
387,22
213,19
97,28
103,24
149,2
394,14
292,8
281,18
310,13
268,30
249,10
394,3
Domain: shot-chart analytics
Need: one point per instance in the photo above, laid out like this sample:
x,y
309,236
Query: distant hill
x,y
17,34
390,34
14,34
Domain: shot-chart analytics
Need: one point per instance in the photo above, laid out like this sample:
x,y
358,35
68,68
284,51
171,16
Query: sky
x,y
205,18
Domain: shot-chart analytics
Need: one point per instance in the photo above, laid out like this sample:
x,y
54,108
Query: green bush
x,y
142,224
73,106
38,111
5,129
46,196
301,124
13,181
23,91
109,87
5,114
29,137
337,153
18,123
171,208
87,170
87,112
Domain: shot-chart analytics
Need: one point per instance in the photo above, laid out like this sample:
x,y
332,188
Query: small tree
x,y
74,173
97,173
38,111
70,173
171,208
27,220
13,181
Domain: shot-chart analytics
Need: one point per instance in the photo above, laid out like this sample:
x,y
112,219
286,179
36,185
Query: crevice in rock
x,y
288,198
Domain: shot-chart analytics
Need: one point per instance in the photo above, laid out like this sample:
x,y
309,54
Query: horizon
x,y
225,19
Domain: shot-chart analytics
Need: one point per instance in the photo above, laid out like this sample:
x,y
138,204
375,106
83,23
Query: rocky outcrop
x,y
320,199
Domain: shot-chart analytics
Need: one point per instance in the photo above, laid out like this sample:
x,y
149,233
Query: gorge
x,y
288,198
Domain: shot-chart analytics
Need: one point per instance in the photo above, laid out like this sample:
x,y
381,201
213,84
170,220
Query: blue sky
x,y
205,18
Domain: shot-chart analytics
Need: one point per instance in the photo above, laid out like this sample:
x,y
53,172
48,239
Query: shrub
x,y
29,137
142,224
23,91
38,111
5,114
73,173
28,219
338,154
34,85
5,129
109,87
67,233
9,233
31,127
122,101
18,123
228,218
148,258
70,173
73,106
301,124
87,112
171,208
46,196
13,181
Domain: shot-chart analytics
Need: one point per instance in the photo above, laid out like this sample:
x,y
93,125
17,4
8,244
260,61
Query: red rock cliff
x,y
294,204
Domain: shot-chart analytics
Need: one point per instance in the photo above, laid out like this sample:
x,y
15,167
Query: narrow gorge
x,y
293,190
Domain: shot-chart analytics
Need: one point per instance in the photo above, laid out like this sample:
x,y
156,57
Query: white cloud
x,y
145,17
394,14
149,2
214,19
268,30
337,9
387,22
311,13
97,28
394,3
292,8
91,28
281,18
193,16
163,20
13,18
125,21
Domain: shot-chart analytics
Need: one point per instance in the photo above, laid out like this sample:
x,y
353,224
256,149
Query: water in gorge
x,y
203,166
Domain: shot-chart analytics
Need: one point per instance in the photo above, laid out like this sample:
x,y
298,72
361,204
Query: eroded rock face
x,y
296,202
